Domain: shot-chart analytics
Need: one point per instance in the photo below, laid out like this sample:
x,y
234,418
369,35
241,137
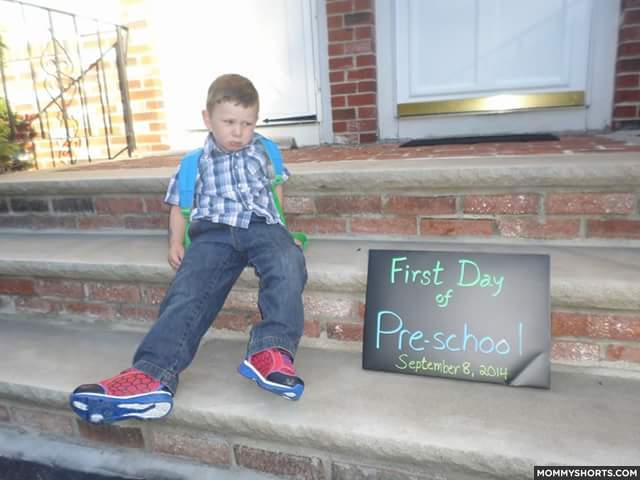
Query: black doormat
x,y
538,137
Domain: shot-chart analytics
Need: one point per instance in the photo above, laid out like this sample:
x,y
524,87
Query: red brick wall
x,y
521,214
327,315
626,111
550,215
145,86
577,336
352,70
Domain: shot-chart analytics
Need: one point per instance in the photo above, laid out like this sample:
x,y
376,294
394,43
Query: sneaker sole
x,y
290,393
98,408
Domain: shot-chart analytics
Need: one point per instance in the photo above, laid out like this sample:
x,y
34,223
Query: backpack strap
x,y
273,152
187,177
275,157
186,187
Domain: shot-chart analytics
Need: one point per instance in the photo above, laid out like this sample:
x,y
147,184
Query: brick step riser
x,y
332,320
596,213
328,316
237,453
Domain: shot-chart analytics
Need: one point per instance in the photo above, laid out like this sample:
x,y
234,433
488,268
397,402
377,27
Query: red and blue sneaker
x,y
273,370
131,394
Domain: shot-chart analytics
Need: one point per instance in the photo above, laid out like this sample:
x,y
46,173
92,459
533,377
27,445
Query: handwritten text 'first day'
x,y
469,275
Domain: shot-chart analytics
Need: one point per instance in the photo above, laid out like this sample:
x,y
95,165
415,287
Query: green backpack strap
x,y
186,213
300,237
275,157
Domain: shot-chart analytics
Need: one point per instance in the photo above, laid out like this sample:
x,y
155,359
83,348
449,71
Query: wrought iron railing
x,y
75,70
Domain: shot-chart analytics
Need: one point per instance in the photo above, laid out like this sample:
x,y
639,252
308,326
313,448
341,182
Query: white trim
x,y
325,116
311,42
603,53
159,410
305,133
80,406
385,61
561,119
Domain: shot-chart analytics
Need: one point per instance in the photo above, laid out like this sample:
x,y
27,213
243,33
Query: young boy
x,y
235,223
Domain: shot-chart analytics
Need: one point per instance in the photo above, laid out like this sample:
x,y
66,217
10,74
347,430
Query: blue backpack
x,y
187,184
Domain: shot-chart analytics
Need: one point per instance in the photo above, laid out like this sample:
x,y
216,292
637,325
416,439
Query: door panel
x,y
528,47
428,41
464,48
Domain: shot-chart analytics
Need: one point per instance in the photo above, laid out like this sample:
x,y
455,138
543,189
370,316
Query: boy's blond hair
x,y
232,88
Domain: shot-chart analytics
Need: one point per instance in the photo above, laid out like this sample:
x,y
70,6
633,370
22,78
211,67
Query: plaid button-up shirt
x,y
231,186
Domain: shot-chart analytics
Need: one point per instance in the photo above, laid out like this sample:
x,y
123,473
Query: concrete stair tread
x,y
579,170
467,427
594,277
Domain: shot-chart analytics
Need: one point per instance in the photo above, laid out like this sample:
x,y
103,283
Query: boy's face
x,y
232,125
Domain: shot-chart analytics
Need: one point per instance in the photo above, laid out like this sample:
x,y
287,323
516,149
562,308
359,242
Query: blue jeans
x,y
211,265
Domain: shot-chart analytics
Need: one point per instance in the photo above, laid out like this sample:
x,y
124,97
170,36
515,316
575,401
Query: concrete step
x,y
588,198
115,278
350,423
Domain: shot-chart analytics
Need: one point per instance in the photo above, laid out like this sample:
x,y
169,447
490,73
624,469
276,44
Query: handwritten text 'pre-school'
x,y
390,327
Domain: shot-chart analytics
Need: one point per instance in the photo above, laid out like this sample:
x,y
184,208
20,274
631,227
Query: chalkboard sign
x,y
473,316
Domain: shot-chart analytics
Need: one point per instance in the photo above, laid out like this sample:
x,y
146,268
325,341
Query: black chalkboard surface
x,y
474,316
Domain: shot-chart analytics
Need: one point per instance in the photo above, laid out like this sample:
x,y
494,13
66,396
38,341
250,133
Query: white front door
x,y
459,65
270,42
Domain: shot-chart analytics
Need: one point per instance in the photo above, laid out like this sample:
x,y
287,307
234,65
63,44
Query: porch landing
x,y
618,142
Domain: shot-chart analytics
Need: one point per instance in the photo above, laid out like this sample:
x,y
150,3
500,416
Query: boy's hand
x,y
177,225
176,254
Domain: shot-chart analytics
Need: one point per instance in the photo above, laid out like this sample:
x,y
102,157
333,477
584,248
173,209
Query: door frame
x,y
595,115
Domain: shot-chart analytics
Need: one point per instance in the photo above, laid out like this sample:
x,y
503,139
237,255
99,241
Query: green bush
x,y
8,148
11,147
